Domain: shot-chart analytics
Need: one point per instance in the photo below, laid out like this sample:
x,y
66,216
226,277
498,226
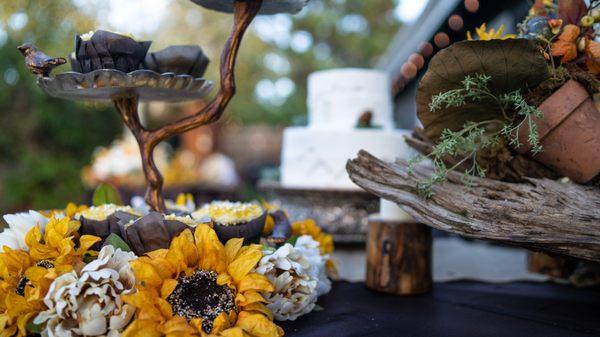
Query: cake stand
x,y
342,213
126,90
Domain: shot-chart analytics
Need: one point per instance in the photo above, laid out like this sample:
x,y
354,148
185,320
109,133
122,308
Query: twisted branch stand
x,y
127,106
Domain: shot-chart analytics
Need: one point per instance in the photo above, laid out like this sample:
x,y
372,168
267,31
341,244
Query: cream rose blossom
x,y
298,275
89,303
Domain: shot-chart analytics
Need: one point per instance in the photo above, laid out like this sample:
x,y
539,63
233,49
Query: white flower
x,y
298,275
18,226
309,247
89,303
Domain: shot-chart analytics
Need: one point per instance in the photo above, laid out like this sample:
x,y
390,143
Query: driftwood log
x,y
540,214
399,257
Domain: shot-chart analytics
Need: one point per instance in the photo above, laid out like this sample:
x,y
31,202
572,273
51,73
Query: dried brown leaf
x,y
571,11
515,64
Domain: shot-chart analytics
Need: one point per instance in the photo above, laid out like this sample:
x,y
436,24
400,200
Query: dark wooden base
x,y
399,257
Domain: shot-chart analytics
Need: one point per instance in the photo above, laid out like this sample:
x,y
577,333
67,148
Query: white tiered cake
x,y
315,157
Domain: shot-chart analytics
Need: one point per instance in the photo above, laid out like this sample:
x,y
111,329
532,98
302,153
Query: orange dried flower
x,y
566,45
592,52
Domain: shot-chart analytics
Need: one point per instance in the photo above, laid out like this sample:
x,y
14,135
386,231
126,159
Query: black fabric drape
x,y
454,309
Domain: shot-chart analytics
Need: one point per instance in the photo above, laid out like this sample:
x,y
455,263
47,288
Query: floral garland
x,y
100,271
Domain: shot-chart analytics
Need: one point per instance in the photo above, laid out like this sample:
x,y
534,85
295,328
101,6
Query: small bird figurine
x,y
37,62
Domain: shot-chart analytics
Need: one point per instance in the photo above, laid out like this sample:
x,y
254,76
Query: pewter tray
x,y
268,6
342,213
110,84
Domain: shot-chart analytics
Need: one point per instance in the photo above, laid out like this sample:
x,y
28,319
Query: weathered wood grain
x,y
540,214
399,257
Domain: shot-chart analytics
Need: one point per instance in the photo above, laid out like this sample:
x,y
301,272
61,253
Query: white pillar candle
x,y
389,211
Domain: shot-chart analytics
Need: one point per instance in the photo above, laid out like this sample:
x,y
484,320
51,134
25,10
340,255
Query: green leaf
x,y
106,194
318,308
292,240
34,328
116,241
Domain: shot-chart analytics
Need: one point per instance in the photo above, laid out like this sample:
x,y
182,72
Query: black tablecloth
x,y
455,309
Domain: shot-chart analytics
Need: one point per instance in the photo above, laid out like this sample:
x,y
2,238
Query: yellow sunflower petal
x,y
85,242
259,308
177,325
146,273
210,250
165,268
224,279
255,281
159,253
196,323
233,332
165,307
232,247
258,325
221,323
23,320
167,288
184,243
245,262
142,328
248,297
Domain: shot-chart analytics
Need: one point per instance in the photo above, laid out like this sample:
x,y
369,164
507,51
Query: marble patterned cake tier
x,y
338,98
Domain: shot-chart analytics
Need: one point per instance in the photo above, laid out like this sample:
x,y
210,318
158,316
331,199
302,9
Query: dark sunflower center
x,y
20,290
45,264
199,296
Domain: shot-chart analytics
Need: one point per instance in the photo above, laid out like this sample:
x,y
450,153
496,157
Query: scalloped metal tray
x,y
268,6
109,84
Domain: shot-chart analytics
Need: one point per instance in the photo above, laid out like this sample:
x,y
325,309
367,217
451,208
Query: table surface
x,y
455,309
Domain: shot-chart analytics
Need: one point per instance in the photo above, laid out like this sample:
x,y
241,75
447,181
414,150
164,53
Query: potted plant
x,y
500,107
570,128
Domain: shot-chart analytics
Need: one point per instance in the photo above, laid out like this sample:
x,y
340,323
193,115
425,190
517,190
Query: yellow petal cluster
x,y
484,35
310,227
69,211
158,272
25,277
57,243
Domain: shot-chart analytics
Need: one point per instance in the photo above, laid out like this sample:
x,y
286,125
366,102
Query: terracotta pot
x,y
569,133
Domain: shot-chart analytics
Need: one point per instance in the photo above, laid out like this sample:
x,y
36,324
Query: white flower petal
x,y
9,239
90,303
21,223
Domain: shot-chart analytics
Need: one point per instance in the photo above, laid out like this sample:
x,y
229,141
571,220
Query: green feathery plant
x,y
466,143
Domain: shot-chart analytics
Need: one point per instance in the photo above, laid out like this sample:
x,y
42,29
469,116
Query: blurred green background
x,y
44,142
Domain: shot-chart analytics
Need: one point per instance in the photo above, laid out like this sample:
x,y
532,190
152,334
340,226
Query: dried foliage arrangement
x,y
479,97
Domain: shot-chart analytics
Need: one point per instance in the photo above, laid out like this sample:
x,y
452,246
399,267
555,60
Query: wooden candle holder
x,y
399,257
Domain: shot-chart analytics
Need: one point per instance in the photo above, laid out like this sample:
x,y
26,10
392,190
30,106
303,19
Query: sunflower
x,y
25,277
198,287
70,210
492,34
